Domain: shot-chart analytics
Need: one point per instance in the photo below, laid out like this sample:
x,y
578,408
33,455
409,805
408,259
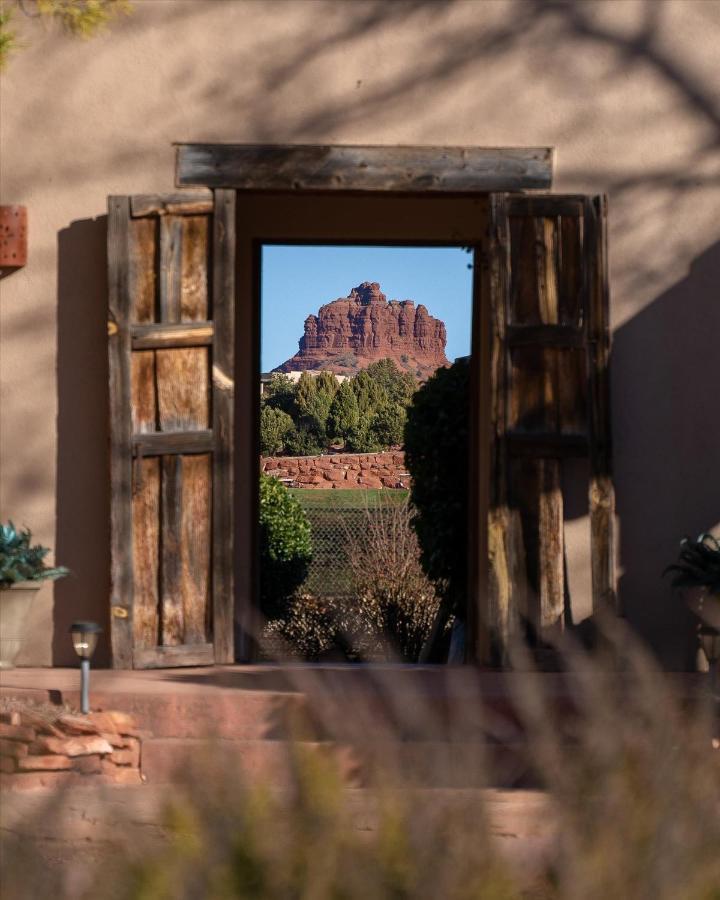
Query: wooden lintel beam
x,y
181,334
334,168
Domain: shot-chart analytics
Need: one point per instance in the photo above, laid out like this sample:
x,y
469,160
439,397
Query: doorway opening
x,y
359,343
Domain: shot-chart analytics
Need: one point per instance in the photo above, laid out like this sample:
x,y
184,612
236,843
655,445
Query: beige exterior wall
x,y
626,91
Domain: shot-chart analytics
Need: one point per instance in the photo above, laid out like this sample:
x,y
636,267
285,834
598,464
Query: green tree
x,y
343,416
313,399
275,428
388,425
399,386
280,393
436,454
285,546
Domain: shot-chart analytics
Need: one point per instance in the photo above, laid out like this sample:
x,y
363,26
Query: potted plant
x,y
697,573
22,570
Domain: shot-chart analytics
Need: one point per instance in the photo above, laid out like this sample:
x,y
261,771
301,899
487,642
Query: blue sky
x,y
297,280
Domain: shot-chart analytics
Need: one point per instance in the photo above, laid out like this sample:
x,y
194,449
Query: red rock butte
x,y
351,332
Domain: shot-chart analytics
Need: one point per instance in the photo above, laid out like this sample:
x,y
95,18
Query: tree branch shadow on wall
x,y
666,401
83,489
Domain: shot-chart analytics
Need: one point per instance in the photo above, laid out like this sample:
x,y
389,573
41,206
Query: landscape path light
x,y
84,638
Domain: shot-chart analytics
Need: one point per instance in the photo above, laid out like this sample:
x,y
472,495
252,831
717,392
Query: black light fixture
x,y
84,638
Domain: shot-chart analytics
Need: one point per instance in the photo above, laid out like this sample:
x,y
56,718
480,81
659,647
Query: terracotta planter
x,y
705,605
15,605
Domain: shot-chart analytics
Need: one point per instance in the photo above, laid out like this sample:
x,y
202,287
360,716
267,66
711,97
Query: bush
x,y
19,561
276,427
285,546
436,454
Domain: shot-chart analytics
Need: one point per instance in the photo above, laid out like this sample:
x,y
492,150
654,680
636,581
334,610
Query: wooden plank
x,y
167,443
501,546
182,334
121,531
181,203
544,336
547,445
546,206
523,299
167,657
570,274
194,269
143,393
183,389
141,265
601,492
172,623
223,386
547,269
195,536
298,167
171,235
146,554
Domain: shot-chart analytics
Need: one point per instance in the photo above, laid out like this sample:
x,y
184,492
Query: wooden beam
x,y
181,334
546,207
183,203
223,393
160,443
333,168
121,525
547,446
165,657
544,336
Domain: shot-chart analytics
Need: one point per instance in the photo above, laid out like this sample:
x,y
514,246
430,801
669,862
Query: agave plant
x,y
21,562
698,564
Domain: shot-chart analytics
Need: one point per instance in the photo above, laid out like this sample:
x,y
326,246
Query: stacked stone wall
x,y
359,471
102,747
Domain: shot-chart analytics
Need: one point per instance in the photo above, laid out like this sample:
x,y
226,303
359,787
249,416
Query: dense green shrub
x,y
367,412
436,454
285,546
276,427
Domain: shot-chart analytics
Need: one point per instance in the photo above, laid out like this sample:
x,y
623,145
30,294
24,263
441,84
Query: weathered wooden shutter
x,y
549,387
171,348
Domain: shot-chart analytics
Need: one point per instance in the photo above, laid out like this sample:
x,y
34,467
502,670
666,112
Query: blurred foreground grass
x,y
630,774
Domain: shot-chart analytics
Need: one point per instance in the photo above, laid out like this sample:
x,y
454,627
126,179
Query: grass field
x,y
346,499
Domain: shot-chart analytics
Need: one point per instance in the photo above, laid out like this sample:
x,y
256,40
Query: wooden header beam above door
x,y
361,169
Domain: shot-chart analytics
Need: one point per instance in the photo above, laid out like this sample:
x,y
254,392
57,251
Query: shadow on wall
x,y
667,406
83,490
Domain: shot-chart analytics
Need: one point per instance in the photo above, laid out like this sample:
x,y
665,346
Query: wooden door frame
x,y
406,172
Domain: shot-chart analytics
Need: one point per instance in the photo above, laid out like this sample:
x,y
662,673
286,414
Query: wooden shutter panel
x,y
171,340
549,402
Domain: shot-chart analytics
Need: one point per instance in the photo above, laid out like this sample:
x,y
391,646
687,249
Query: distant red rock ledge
x,y
352,332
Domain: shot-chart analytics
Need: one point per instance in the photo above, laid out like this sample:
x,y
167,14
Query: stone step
x,y
275,764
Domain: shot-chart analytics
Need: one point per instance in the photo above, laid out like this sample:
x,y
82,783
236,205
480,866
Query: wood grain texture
x,y
143,392
195,537
194,269
298,167
181,203
602,491
170,275
142,279
161,443
121,530
168,657
146,553
223,394
182,389
171,592
190,334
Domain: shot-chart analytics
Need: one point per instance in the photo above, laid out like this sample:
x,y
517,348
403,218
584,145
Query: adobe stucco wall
x,y
626,91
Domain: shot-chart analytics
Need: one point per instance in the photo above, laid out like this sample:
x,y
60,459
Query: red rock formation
x,y
352,332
